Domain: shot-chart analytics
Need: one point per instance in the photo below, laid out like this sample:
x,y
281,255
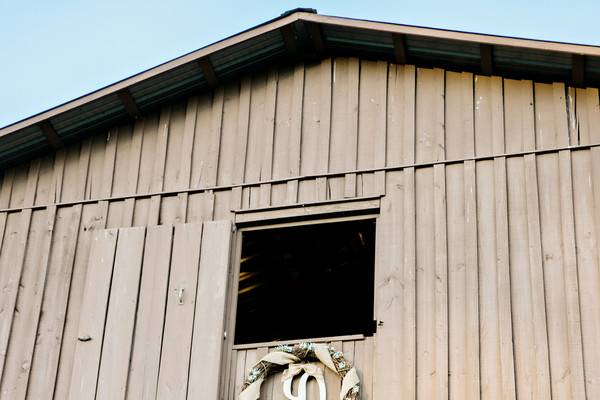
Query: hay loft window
x,y
306,281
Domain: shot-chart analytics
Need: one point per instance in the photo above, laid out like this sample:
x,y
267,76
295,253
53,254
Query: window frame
x,y
351,209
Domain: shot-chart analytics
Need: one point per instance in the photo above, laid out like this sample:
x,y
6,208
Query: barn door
x,y
152,318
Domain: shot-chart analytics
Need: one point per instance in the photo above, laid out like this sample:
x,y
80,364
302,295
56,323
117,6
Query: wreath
x,y
285,356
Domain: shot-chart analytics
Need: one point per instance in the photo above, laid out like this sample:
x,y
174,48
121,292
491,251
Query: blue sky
x,y
54,51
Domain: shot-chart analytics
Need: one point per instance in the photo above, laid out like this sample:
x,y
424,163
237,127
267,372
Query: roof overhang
x,y
297,35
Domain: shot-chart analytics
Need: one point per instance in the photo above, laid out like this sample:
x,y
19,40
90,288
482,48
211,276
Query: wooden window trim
x,y
315,211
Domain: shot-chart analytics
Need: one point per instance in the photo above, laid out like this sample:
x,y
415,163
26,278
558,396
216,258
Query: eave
x,y
297,35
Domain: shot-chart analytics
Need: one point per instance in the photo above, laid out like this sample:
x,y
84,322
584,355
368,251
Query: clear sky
x,y
54,51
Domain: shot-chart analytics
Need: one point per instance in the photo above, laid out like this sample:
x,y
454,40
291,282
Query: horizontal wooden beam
x,y
129,103
487,59
52,136
578,69
400,50
307,177
355,204
209,72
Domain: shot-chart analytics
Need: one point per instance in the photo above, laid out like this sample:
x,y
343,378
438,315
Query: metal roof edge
x,y
512,41
287,19
166,66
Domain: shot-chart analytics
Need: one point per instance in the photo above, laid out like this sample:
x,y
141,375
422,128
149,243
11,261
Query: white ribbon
x,y
310,369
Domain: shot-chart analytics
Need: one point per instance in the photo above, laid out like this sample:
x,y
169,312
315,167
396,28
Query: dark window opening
x,y
306,281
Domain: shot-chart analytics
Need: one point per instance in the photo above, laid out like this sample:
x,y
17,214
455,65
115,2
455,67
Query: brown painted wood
x,y
486,53
129,103
208,72
578,69
52,136
400,50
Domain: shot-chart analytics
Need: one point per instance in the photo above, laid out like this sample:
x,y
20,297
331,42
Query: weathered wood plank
x,y
586,186
11,266
527,281
587,109
83,168
243,125
441,281
463,301
561,291
174,146
432,335
44,366
17,364
122,162
551,121
93,185
160,151
489,116
325,86
44,188
229,133
570,276
209,318
93,218
209,176
240,373
7,187
145,356
266,168
393,297
401,115
519,116
429,125
93,312
460,130
256,138
496,355
179,319
187,145
71,173
120,318
109,162
312,109
372,109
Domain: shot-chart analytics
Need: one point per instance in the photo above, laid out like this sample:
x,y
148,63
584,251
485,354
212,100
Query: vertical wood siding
x,y
487,268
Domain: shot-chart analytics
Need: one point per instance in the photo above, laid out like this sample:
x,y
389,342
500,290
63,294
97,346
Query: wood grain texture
x,y
93,219
88,350
209,316
145,357
585,200
44,366
179,319
120,317
17,364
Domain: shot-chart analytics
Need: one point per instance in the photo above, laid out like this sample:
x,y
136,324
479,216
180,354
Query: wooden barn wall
x,y
488,268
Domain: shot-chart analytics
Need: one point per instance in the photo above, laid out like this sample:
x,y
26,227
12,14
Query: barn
x,y
397,212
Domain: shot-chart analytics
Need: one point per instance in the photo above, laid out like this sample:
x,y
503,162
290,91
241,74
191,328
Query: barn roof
x,y
300,34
